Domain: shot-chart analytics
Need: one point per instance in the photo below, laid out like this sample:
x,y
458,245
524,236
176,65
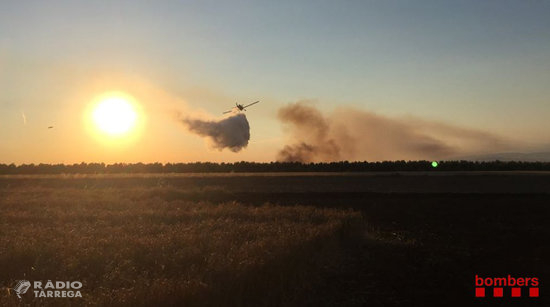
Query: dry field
x,y
270,240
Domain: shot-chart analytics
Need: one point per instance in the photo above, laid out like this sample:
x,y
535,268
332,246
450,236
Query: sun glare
x,y
115,115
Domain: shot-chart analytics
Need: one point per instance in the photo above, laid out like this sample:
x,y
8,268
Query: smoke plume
x,y
352,134
232,132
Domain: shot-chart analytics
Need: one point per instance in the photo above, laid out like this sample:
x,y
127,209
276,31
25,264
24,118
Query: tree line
x,y
240,167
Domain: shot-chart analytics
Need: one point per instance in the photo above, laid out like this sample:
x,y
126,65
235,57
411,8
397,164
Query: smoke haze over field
x,y
353,134
231,132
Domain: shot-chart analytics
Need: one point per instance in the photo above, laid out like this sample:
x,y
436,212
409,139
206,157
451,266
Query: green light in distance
x,y
435,164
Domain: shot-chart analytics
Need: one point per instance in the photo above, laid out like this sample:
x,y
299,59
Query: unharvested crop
x,y
128,246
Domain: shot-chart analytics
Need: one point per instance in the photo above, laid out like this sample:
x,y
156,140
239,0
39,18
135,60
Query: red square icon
x,y
497,292
516,292
534,292
480,292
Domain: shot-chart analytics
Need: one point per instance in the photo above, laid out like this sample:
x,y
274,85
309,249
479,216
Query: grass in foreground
x,y
130,247
163,240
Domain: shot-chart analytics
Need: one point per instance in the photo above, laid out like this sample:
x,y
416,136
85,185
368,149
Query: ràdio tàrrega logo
x,y
49,289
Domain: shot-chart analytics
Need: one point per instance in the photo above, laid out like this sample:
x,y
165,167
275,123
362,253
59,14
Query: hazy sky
x,y
482,65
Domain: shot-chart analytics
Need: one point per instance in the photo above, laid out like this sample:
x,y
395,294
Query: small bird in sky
x,y
50,127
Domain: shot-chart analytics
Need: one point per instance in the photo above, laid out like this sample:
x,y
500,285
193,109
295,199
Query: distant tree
x,y
244,166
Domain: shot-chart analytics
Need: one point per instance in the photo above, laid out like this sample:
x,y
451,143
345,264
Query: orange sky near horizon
x,y
436,73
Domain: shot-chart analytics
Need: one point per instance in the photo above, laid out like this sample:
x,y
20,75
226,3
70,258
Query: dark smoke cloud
x,y
232,132
311,129
352,134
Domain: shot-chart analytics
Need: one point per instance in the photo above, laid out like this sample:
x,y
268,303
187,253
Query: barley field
x,y
269,239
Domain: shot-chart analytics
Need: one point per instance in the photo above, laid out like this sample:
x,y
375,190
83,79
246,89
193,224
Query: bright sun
x,y
115,114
